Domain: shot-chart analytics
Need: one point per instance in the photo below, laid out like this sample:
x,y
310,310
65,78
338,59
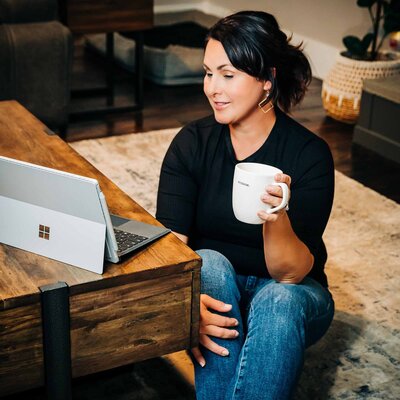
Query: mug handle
x,y
285,197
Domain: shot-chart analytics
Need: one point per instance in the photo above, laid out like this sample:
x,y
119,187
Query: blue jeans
x,y
277,322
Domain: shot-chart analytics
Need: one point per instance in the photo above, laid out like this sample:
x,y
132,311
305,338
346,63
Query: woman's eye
x,y
209,74
228,76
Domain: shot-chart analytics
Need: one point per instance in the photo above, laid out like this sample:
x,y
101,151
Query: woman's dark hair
x,y
255,45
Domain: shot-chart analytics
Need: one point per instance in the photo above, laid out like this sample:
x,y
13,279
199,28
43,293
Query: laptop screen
x,y
52,213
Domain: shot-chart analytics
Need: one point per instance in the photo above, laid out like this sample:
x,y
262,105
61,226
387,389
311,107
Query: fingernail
x,y
202,364
236,333
225,352
236,323
228,306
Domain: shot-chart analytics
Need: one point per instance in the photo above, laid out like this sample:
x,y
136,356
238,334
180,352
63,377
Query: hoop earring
x,y
264,102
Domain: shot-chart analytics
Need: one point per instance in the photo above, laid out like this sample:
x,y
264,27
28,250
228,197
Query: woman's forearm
x,y
288,259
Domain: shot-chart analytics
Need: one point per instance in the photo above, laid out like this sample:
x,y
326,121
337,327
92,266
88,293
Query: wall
x,y
161,6
320,24
326,20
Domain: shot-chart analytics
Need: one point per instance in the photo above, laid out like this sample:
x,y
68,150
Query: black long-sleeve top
x,y
195,191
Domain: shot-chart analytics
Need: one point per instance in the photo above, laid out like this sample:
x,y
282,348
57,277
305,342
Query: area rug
x,y
359,357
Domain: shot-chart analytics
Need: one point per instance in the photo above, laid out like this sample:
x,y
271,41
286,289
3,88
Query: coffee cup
x,y
249,183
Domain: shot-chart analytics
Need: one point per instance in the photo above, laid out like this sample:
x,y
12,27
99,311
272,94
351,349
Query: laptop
x,y
65,217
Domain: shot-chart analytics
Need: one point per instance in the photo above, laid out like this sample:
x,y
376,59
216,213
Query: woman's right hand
x,y
215,325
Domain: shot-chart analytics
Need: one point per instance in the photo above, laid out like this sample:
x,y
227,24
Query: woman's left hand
x,y
273,197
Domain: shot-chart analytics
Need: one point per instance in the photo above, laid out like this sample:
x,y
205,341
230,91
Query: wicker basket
x,y
341,90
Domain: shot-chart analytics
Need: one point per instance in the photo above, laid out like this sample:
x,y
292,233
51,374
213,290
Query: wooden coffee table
x,y
56,319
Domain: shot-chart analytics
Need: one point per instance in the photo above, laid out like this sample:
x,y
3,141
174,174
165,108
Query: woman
x,y
264,296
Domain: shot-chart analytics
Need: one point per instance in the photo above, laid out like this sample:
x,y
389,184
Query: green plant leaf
x,y
392,21
367,40
385,7
365,3
355,46
394,5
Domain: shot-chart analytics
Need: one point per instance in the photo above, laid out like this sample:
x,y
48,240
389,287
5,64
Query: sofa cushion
x,y
37,71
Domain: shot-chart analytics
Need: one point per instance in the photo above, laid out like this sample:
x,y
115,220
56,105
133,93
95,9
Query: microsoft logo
x,y
44,232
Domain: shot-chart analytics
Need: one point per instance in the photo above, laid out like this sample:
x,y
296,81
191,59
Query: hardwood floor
x,y
169,107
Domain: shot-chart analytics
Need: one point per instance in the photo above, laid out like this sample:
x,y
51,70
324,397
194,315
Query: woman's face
x,y
233,94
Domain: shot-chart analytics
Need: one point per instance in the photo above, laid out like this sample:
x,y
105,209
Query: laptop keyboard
x,y
126,240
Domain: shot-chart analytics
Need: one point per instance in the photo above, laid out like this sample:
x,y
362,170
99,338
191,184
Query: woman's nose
x,y
212,86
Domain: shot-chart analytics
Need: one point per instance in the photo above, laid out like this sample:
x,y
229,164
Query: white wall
x,y
161,6
326,20
320,24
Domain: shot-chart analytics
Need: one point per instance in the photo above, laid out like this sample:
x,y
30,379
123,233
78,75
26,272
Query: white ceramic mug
x,y
249,183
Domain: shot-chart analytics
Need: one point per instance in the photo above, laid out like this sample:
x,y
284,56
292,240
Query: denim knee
x,y
308,300
306,308
281,298
216,270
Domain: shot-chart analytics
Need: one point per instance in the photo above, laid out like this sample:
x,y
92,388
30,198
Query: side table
x,y
104,16
378,125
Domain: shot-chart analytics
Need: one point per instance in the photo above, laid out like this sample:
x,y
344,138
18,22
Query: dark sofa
x,y
35,59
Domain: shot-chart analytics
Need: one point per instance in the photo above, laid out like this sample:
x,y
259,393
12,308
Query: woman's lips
x,y
220,105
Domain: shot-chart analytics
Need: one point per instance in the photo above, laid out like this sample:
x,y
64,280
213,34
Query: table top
x,y
388,88
96,16
25,138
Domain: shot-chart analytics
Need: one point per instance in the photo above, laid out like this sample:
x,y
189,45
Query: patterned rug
x,y
359,357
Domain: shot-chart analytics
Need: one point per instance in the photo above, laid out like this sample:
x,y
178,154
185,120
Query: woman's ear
x,y
267,85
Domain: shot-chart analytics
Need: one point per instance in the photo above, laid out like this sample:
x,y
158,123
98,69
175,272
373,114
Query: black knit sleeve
x,y
312,194
177,190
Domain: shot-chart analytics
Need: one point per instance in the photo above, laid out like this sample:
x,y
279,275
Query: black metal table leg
x,y
56,340
110,68
139,66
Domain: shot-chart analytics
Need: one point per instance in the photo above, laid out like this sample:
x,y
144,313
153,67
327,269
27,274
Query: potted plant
x,y
362,59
